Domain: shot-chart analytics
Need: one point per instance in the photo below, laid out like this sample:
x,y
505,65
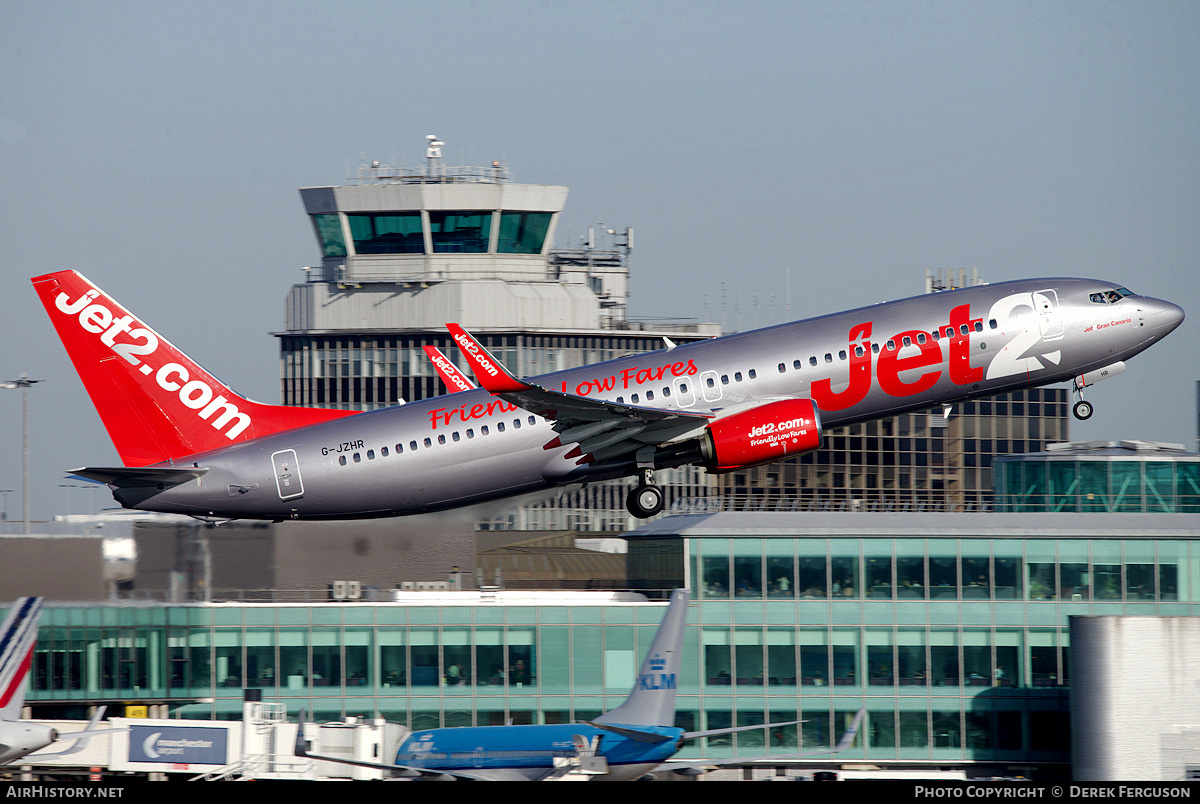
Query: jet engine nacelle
x,y
761,435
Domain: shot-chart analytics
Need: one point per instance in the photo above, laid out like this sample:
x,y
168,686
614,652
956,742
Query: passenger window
x,y
441,439
782,368
891,346
342,460
484,430
533,420
470,432
858,351
428,443
454,435
993,323
724,379
921,337
413,445
383,452
666,391
842,354
370,455
516,424
796,364
499,427
812,361
828,357
649,396
979,326
357,458
875,348
753,374
737,375
709,382
962,329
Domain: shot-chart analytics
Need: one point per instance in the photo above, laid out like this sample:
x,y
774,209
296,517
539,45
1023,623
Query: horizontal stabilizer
x,y
124,477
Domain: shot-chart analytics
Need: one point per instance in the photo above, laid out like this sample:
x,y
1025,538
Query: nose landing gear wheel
x,y
645,501
1082,410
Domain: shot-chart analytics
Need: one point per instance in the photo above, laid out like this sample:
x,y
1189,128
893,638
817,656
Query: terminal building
x,y
952,630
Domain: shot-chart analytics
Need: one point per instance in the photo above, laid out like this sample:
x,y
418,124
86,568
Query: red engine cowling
x,y
761,435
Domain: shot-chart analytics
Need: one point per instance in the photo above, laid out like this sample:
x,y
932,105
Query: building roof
x,y
1025,525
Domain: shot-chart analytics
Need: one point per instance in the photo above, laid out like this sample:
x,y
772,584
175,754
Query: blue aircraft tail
x,y
652,701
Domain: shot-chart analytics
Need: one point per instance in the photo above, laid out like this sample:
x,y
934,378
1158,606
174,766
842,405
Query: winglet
x,y
851,732
488,370
454,379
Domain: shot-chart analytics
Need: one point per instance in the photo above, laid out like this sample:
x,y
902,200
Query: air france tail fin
x,y
652,701
17,636
156,403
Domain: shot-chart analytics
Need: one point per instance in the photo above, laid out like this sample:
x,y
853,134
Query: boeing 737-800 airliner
x,y
192,446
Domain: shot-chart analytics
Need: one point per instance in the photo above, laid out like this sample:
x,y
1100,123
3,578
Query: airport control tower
x,y
406,250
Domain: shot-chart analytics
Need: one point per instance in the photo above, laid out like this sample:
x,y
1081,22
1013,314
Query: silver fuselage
x,y
472,447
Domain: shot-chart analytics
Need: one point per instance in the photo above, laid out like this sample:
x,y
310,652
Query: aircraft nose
x,y
1165,317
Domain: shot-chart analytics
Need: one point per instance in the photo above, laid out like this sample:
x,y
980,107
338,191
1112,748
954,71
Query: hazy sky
x,y
158,148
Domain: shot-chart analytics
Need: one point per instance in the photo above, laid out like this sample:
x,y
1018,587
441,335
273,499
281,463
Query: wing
x,y
697,766
603,430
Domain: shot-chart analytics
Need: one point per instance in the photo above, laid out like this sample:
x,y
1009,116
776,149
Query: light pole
x,y
23,384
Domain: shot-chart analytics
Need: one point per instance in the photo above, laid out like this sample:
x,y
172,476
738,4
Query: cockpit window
x,y
1110,296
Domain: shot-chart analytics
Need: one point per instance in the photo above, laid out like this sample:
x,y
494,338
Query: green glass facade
x,y
956,645
1100,481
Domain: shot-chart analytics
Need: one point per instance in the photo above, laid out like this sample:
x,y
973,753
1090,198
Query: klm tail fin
x,y
156,403
652,702
17,636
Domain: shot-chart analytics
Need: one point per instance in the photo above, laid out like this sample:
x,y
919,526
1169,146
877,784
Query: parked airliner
x,y
19,738
626,743
192,446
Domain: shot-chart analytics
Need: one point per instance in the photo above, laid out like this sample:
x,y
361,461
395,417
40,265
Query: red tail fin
x,y
156,403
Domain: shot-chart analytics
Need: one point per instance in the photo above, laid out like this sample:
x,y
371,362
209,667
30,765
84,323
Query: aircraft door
x,y
1045,304
685,396
710,386
287,474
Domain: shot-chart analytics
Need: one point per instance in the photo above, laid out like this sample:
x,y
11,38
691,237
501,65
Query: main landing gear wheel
x,y
645,501
1082,410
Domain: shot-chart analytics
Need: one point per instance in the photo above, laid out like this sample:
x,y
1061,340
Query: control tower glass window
x,y
523,232
329,231
460,232
391,233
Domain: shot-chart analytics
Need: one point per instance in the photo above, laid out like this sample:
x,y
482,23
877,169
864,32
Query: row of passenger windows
x,y
455,436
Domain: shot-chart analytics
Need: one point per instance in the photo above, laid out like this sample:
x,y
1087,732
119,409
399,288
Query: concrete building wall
x,y
1135,697
60,568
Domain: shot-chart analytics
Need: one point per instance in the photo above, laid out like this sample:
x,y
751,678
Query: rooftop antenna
x,y
433,152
